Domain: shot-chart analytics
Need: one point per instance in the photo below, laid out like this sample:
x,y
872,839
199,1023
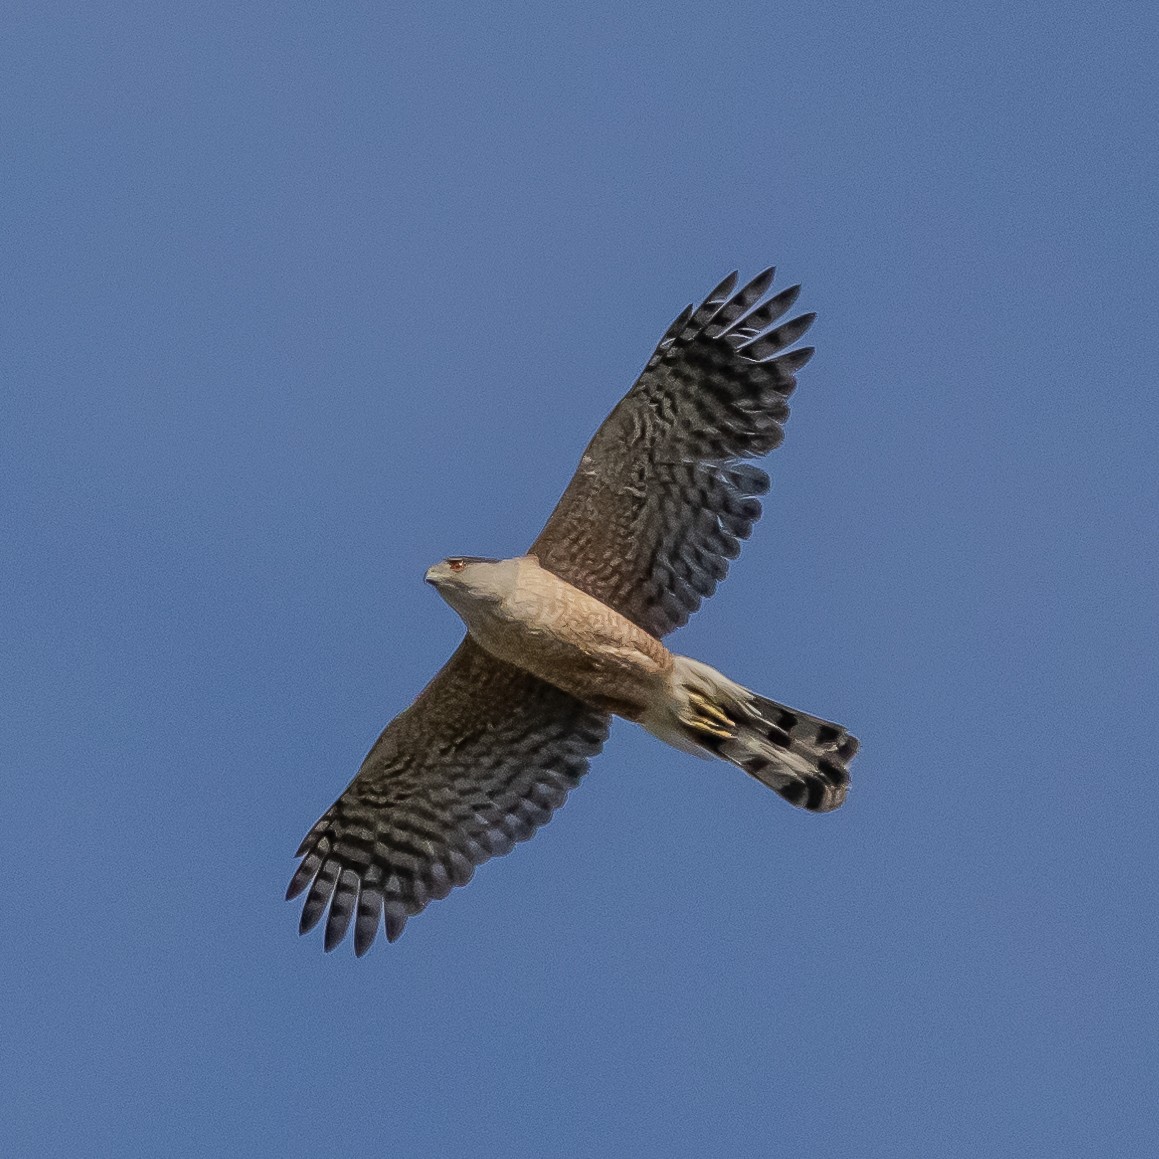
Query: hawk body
x,y
520,613
563,637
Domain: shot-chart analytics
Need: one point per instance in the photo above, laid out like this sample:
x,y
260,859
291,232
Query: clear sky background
x,y
298,299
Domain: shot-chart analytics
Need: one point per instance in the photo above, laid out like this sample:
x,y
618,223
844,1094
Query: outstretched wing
x,y
661,498
478,762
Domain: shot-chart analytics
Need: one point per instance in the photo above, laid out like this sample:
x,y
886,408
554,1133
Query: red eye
x,y
456,564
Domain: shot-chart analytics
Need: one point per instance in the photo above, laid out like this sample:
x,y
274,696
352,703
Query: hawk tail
x,y
801,757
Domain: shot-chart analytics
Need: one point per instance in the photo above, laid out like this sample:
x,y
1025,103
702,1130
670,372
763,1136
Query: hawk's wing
x,y
661,499
478,762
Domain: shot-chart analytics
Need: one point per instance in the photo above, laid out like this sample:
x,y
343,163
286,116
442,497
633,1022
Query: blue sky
x,y
298,300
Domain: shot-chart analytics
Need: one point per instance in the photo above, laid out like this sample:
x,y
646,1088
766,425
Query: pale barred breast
x,y
564,636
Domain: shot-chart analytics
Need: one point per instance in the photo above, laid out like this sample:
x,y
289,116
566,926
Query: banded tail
x,y
801,757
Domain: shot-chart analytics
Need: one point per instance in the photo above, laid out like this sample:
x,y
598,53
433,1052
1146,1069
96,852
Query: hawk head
x,y
470,583
456,569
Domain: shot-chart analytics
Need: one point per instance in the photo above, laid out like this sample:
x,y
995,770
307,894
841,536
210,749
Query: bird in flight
x,y
563,638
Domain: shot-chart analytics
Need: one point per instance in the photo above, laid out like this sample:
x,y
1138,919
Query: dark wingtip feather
x,y
720,293
307,841
749,479
791,331
740,303
760,349
774,308
795,359
760,283
669,336
341,908
311,915
395,922
759,319
319,896
707,310
308,870
367,919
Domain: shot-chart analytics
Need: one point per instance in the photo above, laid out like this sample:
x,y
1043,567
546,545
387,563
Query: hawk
x,y
563,638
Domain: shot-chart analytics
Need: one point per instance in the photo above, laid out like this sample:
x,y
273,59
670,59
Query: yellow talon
x,y
713,729
710,710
